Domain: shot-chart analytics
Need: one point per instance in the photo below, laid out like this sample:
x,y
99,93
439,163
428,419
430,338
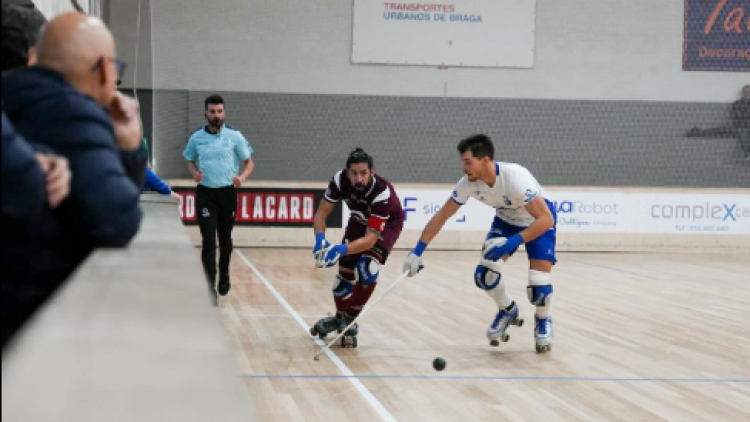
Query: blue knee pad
x,y
539,295
368,270
485,278
342,288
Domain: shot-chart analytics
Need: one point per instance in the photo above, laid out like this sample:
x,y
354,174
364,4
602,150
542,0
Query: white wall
x,y
52,8
586,49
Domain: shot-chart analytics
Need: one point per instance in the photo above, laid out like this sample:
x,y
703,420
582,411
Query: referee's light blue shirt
x,y
218,155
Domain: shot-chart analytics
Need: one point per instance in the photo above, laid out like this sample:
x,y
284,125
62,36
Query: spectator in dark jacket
x,y
33,185
69,103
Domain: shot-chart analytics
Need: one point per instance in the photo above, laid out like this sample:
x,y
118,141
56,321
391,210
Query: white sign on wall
x,y
599,212
472,33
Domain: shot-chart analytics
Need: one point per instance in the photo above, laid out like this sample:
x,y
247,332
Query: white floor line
x,y
366,394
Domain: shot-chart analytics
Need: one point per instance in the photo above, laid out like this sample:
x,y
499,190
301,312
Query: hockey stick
x,y
372,305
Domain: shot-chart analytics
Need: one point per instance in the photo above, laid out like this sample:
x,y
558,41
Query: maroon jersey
x,y
377,206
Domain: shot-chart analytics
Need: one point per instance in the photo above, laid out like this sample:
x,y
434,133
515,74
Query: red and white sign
x,y
261,207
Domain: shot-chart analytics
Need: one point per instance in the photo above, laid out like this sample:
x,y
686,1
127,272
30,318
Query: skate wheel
x,y
543,349
519,322
313,331
347,342
505,337
322,336
494,343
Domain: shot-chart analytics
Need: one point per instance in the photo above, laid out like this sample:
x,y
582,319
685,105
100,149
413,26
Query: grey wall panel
x,y
170,128
587,143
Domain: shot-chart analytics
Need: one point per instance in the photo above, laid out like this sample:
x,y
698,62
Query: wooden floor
x,y
637,337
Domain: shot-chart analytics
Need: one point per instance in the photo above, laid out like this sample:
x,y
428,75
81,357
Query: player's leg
x,y
541,252
342,288
225,225
207,221
488,277
367,269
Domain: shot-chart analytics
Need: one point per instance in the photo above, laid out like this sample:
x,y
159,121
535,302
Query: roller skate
x,y
543,334
503,319
325,325
349,339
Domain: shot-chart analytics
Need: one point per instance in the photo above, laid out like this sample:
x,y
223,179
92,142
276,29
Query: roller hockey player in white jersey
x,y
523,215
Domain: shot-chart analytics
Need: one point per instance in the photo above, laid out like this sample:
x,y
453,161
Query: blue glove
x,y
320,243
332,255
506,249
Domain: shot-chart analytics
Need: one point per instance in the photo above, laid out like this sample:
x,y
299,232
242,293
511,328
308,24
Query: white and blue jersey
x,y
515,187
218,155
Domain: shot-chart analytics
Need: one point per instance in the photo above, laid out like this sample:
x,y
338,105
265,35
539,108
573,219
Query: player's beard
x,y
216,123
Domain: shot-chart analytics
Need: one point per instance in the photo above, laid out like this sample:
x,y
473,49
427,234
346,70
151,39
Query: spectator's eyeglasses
x,y
119,66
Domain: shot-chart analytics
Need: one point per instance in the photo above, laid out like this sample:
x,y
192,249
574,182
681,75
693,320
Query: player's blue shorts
x,y
542,248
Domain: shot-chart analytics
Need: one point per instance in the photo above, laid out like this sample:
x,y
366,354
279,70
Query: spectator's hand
x,y
198,177
127,121
57,177
176,196
237,180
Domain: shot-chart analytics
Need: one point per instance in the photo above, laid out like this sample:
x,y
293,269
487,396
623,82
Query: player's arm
x,y
537,207
375,225
363,243
325,209
244,152
249,167
191,155
193,169
543,219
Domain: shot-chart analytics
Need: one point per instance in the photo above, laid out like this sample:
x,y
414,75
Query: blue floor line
x,y
509,378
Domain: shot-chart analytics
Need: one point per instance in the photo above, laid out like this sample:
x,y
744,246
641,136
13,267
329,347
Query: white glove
x,y
412,264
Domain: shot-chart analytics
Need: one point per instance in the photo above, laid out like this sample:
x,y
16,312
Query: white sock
x,y
500,295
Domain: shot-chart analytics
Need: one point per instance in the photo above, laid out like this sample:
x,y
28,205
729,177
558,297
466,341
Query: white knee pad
x,y
539,290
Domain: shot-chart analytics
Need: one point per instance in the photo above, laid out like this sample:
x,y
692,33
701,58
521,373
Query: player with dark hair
x,y
523,215
373,228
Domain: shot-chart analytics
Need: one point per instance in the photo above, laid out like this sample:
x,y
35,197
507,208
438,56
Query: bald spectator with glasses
x,y
69,103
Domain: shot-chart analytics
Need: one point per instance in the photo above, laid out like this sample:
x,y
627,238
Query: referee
x,y
214,153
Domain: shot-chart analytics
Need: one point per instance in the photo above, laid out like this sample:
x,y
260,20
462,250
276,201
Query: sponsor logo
x,y
280,207
580,207
719,212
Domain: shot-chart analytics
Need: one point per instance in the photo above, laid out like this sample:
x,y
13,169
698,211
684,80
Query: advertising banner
x,y
476,33
266,207
717,35
600,212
